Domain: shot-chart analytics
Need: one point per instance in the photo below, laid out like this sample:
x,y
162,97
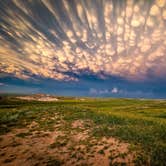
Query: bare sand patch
x,y
75,147
39,97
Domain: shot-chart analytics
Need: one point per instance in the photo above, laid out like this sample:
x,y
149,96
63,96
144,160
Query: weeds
x,y
142,123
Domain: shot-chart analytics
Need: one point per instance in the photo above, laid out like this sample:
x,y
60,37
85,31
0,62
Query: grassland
x,y
139,124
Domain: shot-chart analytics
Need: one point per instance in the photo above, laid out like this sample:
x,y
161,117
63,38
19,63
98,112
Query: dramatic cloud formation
x,y
63,39
96,47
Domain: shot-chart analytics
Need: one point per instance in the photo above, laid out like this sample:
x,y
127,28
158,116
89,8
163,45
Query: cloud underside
x,y
63,39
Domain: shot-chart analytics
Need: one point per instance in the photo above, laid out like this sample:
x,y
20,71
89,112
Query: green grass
x,y
142,123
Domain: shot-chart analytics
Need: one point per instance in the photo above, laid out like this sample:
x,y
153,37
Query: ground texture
x,y
82,132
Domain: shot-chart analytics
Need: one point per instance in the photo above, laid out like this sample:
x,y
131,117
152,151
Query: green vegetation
x,y
142,123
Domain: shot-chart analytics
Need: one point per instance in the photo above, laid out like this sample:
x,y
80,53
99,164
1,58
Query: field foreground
x,y
86,131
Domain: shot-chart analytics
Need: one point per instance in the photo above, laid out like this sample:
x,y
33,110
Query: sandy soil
x,y
31,147
37,98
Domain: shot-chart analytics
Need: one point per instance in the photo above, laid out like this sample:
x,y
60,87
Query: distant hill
x,y
38,97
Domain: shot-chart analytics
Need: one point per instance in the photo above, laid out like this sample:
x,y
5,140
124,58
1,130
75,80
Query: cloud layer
x,y
63,39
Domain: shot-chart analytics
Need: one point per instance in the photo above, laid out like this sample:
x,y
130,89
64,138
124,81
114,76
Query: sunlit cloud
x,y
114,90
60,40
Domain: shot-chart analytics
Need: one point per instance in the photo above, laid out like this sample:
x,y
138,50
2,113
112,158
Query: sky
x,y
98,48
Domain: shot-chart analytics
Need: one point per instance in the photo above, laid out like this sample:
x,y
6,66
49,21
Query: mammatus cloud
x,y
53,39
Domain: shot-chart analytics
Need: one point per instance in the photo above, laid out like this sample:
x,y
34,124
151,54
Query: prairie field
x,y
82,131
